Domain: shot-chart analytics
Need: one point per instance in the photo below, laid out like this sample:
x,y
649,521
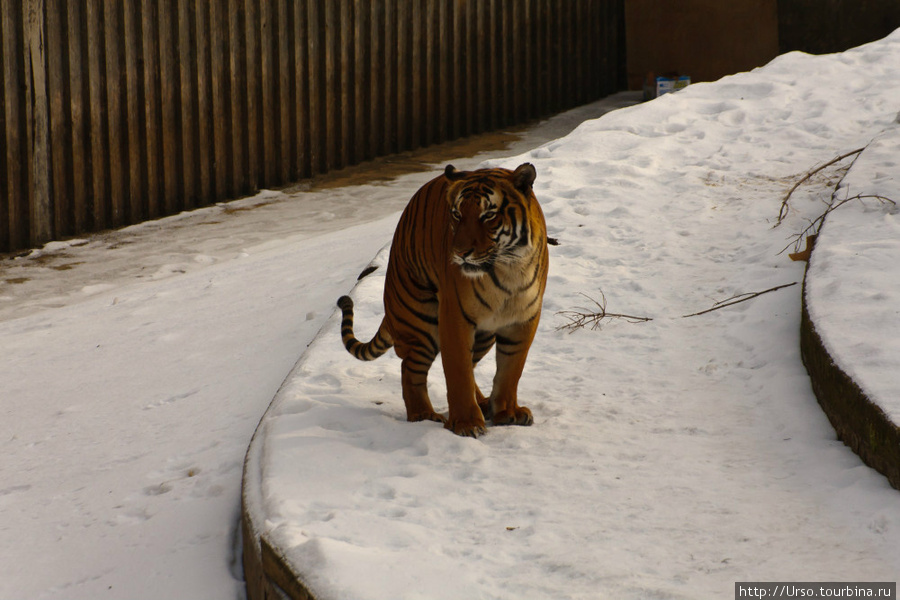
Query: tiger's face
x,y
488,220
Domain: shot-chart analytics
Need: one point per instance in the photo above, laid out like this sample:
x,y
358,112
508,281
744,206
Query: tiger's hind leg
x,y
414,379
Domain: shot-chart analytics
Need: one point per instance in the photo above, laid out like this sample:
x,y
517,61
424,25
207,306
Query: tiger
x,y
466,272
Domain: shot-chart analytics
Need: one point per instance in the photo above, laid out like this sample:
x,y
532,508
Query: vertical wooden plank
x,y
617,65
170,96
187,63
517,66
483,64
5,198
79,116
531,61
431,80
445,71
612,60
571,52
301,45
38,115
332,85
404,74
284,102
595,36
362,81
57,48
588,37
205,146
507,37
220,61
539,80
610,15
592,38
457,65
495,58
501,64
15,213
152,108
600,25
419,111
391,86
554,53
579,39
562,57
377,80
99,137
470,54
290,101
117,128
269,84
540,57
135,114
346,66
240,124
558,57
509,21
254,94
495,55
317,91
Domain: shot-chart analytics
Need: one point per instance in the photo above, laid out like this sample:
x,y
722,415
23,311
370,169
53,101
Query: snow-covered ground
x,y
854,281
669,458
137,363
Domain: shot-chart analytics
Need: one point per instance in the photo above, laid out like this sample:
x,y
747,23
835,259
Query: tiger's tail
x,y
378,345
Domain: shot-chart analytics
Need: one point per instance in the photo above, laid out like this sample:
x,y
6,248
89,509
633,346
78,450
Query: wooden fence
x,y
117,111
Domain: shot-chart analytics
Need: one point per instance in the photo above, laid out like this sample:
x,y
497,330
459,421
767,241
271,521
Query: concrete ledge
x,y
860,424
267,575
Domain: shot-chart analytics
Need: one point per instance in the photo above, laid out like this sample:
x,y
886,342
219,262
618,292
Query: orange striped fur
x,y
467,272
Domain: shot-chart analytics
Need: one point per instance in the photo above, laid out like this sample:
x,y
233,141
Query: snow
x,y
668,458
137,364
854,286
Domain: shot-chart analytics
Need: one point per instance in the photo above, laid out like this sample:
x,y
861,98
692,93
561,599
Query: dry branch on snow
x,y
582,317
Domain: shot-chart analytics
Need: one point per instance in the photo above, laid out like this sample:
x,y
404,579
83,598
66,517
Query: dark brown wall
x,y
706,39
824,26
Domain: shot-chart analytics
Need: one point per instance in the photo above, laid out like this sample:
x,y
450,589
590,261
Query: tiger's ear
x,y
452,174
523,177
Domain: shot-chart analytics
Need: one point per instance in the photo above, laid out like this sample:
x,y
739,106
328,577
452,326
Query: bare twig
x,y
582,317
815,225
738,299
783,211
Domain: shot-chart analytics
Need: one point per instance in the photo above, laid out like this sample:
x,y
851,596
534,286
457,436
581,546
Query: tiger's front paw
x,y
518,416
426,416
467,428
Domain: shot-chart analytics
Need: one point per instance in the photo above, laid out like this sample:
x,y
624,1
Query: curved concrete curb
x,y
860,423
267,574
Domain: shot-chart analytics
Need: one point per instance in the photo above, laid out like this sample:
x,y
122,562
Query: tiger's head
x,y
489,217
